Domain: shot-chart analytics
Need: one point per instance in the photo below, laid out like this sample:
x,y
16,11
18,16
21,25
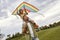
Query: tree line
x,y
50,25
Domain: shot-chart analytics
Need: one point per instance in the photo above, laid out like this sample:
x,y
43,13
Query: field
x,y
47,34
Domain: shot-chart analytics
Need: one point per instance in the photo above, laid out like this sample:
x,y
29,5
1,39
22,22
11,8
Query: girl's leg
x,y
24,28
33,33
34,24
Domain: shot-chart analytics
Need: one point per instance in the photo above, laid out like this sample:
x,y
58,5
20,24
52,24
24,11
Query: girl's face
x,y
21,11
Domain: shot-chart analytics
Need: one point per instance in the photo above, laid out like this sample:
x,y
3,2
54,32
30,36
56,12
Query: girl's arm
x,y
26,12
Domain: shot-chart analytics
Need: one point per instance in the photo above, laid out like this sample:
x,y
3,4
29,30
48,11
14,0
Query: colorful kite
x,y
26,6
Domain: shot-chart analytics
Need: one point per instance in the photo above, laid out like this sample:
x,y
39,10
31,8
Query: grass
x,y
47,34
50,34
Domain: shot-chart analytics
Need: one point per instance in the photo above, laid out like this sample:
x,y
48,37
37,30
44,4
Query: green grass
x,y
50,34
47,34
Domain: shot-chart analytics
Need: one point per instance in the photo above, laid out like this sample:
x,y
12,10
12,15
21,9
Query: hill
x,y
47,34
50,34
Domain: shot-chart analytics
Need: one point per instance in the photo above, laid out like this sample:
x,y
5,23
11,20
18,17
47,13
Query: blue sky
x,y
10,24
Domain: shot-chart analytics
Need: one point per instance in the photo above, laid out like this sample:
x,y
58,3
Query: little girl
x,y
26,19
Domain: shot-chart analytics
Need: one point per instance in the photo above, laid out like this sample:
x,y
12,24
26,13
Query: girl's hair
x,y
20,10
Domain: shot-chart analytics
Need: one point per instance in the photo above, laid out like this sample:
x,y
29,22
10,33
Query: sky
x,y
10,24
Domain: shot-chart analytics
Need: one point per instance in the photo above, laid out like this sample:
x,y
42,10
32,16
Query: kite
x,y
26,6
